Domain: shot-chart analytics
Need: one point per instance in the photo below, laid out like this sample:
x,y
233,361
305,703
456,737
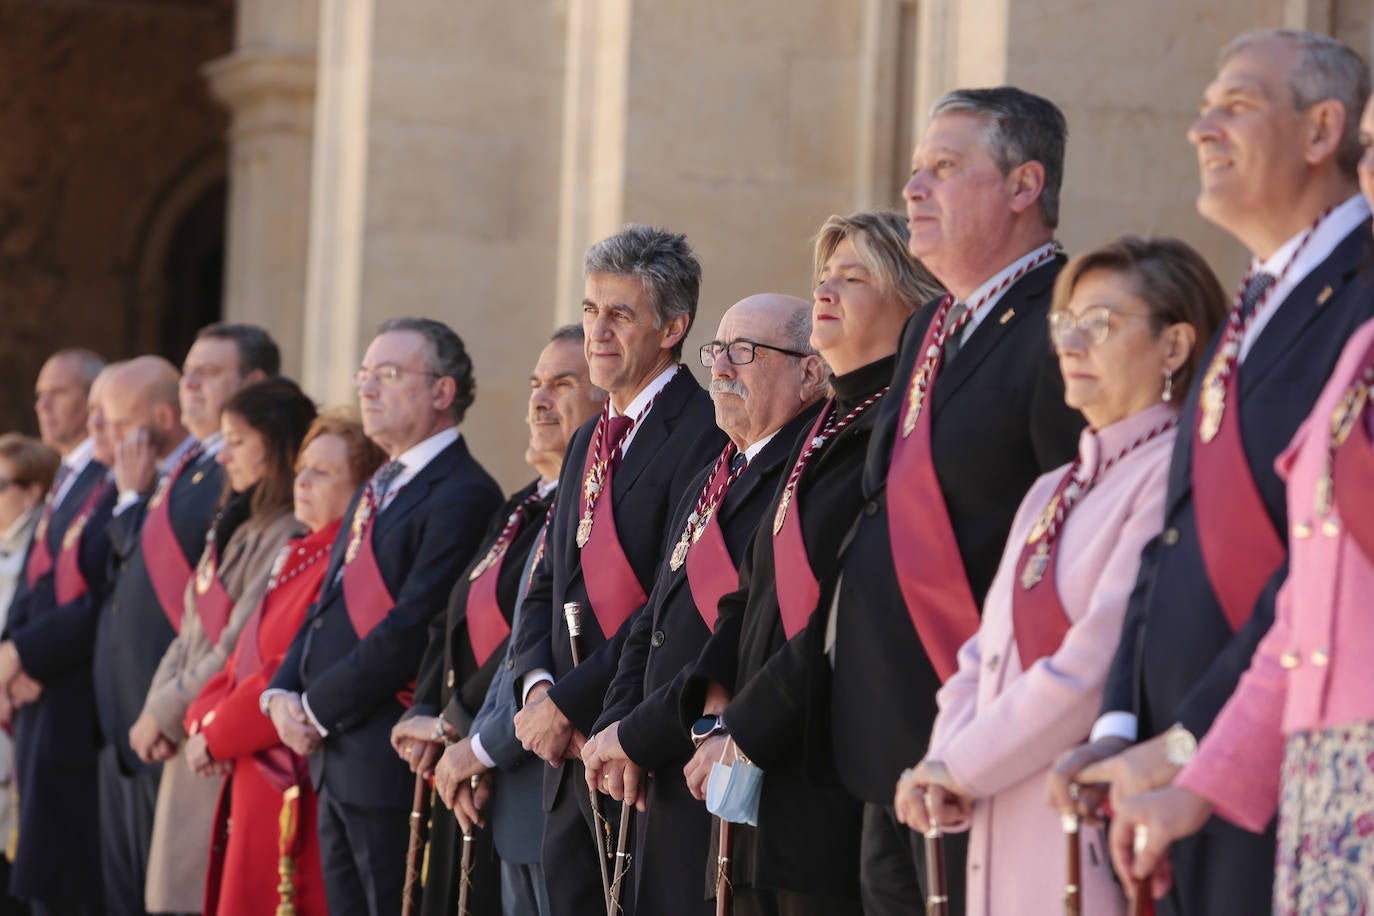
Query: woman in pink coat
x,y
1129,322
1297,737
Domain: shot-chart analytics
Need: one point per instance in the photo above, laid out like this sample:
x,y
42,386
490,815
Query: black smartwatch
x,y
705,728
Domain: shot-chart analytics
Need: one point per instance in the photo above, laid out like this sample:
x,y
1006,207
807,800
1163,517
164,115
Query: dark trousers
x,y
569,850
64,909
892,866
363,855
749,901
1221,869
126,831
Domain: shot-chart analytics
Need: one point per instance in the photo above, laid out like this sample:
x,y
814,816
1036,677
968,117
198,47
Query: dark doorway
x,y
193,273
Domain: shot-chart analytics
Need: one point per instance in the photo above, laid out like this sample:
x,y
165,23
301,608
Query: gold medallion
x,y
205,573
73,532
1043,521
916,398
781,515
1035,567
1321,500
1213,405
1347,413
699,527
353,545
679,552
584,530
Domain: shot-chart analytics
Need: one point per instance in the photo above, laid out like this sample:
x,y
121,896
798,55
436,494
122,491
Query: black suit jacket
x,y
999,421
807,840
422,539
55,738
1178,660
133,632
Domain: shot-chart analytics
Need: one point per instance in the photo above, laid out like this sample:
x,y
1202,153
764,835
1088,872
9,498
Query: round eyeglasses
x,y
738,352
1095,324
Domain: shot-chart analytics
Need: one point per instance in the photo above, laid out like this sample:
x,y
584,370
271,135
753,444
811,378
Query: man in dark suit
x,y
167,434
621,477
479,726
348,675
765,381
1278,145
46,656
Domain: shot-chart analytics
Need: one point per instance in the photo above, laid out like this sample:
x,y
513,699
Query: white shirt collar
x,y
752,451
422,453
636,407
546,487
75,462
210,445
992,283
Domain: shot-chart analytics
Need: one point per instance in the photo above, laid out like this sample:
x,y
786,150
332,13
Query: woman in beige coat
x,y
263,425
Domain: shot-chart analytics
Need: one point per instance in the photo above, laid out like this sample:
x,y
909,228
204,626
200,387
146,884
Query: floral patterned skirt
x,y
1326,824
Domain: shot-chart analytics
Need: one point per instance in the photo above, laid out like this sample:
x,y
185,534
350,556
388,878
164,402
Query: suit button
x,y
450,677
510,664
657,639
1331,528
319,622
1302,531
871,508
1170,537
1290,660
1320,657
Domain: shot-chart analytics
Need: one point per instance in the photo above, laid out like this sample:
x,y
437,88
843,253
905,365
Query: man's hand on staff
x,y
413,741
467,804
951,804
1068,792
294,727
542,728
1132,772
455,769
1166,815
610,769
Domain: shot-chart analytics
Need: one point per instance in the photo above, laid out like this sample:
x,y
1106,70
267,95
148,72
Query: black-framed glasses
x,y
388,374
739,352
1095,324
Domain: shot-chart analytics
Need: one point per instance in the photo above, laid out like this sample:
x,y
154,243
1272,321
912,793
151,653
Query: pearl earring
x,y
1168,385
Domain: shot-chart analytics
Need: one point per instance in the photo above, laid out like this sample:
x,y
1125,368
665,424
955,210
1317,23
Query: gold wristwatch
x,y
1179,745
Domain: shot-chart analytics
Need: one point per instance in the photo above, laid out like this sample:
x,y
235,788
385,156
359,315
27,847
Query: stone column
x,y
268,85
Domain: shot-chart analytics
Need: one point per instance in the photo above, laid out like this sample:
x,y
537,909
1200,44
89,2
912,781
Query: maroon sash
x,y
365,592
1240,548
710,571
487,626
213,601
925,554
612,586
1038,618
68,582
798,590
40,557
168,568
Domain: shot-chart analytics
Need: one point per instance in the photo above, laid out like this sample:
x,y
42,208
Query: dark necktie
x,y
1254,291
952,343
737,462
381,481
616,430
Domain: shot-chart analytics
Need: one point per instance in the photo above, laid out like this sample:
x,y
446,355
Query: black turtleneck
x,y
853,387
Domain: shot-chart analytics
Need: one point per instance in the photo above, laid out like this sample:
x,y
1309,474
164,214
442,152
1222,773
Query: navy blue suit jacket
x,y
423,538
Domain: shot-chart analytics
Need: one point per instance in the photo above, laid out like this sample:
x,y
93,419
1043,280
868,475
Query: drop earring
x,y
1168,385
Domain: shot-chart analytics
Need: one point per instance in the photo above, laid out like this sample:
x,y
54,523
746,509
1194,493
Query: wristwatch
x,y
705,728
1179,745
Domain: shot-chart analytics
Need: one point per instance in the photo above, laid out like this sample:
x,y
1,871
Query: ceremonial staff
x,y
1144,902
937,892
288,827
726,841
419,822
1072,892
465,864
622,856
572,613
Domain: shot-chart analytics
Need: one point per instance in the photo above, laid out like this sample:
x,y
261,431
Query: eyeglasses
x,y
388,374
1095,324
738,352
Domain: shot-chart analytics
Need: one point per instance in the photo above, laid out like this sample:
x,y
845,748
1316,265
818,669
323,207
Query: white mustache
x,y
729,386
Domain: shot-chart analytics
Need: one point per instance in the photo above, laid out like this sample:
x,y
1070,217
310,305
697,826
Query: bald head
x,y
142,395
97,427
755,399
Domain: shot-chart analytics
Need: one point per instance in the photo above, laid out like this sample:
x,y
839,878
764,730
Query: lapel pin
x,y
1007,316
196,478
1324,295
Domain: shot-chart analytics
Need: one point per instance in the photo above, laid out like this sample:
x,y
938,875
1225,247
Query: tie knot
x,y
385,475
1254,291
63,470
957,311
616,430
736,462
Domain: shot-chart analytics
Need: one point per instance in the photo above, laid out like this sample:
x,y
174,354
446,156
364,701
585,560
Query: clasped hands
x,y
610,769
929,791
17,689
545,731
293,726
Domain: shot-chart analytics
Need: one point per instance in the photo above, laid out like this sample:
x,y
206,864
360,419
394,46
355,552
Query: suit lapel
x,y
418,487
657,425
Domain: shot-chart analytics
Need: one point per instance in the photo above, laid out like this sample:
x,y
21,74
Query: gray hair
x,y
1021,127
1326,69
89,363
445,355
662,261
796,331
569,332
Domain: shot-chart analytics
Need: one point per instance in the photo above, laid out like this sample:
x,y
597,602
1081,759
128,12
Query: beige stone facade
x,y
389,157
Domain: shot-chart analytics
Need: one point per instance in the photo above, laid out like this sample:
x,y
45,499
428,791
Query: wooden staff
x,y
572,613
723,888
937,891
465,864
419,822
1073,899
1144,902
622,857
288,824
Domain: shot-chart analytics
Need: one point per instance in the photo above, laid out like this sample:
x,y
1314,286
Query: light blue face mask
x,y
733,792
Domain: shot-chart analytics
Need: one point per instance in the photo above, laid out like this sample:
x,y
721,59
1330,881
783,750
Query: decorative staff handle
x,y
1144,902
723,854
465,864
1073,895
937,891
419,821
288,825
572,613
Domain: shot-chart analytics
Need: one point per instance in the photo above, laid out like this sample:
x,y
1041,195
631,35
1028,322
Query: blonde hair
x,y
879,238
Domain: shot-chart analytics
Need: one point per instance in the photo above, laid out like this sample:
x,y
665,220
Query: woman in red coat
x,y
231,737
